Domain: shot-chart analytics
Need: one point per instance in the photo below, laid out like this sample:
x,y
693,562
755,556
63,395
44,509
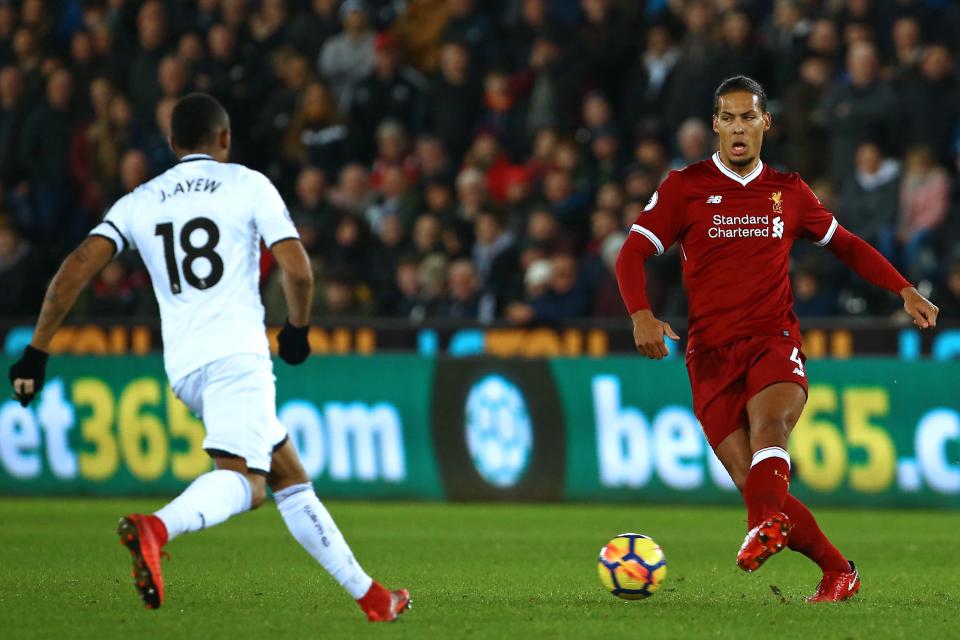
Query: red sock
x,y
767,484
807,538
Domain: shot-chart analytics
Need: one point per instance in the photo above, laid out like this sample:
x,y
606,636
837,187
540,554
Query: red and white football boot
x,y
837,585
382,605
145,536
763,541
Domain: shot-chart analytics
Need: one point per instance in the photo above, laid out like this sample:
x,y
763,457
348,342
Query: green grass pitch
x,y
475,571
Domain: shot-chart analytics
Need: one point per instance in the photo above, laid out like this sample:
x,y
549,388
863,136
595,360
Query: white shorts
x,y
236,399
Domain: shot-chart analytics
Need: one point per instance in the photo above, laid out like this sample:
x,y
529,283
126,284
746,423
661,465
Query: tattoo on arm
x,y
64,289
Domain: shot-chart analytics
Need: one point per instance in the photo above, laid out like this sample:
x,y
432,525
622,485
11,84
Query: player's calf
x,y
764,541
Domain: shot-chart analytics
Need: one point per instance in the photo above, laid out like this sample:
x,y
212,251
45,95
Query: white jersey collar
x,y
195,156
743,180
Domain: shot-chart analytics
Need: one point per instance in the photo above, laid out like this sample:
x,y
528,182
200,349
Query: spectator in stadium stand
x,y
391,91
433,283
309,29
454,100
267,25
784,35
84,63
805,125
347,58
464,299
824,41
930,103
134,171
108,136
950,296
530,22
294,72
45,152
694,143
858,107
869,198
151,43
552,82
344,297
501,114
648,83
495,255
21,274
12,113
565,298
28,57
8,25
739,50
393,151
607,302
396,198
311,208
433,164
113,293
317,135
419,32
472,194
487,156
403,297
604,156
693,79
426,234
908,46
467,24
606,44
811,297
924,203
233,78
155,144
172,77
387,248
438,200
353,194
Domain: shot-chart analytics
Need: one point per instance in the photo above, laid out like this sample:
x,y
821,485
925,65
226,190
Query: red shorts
x,y
725,378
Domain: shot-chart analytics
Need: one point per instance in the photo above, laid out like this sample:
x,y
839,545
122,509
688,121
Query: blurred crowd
x,y
479,159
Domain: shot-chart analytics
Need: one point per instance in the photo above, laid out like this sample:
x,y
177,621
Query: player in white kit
x,y
198,228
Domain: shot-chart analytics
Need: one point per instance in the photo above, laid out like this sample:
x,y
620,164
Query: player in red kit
x,y
735,219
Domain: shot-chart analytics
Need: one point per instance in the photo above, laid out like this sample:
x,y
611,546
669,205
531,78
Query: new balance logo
x,y
777,227
714,199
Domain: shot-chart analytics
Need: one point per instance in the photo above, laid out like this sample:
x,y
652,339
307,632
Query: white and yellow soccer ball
x,y
632,566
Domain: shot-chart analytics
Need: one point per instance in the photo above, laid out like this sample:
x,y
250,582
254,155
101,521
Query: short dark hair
x,y
197,119
740,83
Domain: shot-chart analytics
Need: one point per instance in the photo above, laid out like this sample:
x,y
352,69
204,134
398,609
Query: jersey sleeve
x,y
115,226
270,214
816,224
663,217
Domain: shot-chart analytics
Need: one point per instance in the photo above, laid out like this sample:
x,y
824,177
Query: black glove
x,y
294,346
31,366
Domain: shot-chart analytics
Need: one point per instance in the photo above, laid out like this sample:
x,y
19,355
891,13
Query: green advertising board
x,y
875,432
112,426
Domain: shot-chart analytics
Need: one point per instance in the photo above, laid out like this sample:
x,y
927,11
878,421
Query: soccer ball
x,y
632,566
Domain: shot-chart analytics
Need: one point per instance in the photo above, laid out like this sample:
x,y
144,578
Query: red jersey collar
x,y
743,180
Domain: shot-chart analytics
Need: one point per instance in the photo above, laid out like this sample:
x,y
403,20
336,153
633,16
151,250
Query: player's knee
x,y
772,429
258,492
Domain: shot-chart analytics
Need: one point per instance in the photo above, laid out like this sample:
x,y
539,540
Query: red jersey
x,y
735,234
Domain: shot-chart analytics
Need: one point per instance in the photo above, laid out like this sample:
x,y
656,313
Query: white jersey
x,y
198,228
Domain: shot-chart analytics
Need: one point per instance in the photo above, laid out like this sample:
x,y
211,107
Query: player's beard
x,y
742,161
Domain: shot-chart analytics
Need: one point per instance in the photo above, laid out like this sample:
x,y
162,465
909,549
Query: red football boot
x,y
145,536
766,539
837,585
382,605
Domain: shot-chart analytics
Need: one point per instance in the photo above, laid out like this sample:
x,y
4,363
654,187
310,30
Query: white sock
x,y
209,500
313,527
